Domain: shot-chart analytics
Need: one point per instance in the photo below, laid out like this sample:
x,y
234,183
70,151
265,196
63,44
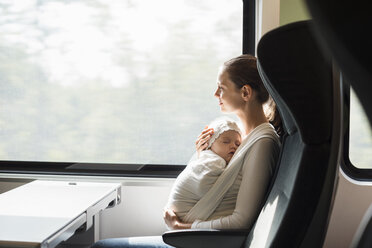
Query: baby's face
x,y
226,144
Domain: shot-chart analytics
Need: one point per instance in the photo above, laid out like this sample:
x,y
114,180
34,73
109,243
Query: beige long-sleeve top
x,y
241,204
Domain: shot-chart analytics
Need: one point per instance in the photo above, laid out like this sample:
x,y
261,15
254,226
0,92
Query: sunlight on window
x,y
360,145
111,81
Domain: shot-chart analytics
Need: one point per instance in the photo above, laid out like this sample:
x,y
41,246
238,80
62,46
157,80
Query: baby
x,y
201,173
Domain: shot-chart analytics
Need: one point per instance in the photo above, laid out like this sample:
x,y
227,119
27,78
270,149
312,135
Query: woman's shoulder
x,y
264,141
262,154
266,144
264,131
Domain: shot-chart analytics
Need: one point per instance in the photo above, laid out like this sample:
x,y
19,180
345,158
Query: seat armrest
x,y
206,238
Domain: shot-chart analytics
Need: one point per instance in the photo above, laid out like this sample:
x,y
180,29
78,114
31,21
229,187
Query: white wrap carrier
x,y
208,202
194,182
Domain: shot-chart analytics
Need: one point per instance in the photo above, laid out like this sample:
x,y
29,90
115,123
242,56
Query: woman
x,y
239,91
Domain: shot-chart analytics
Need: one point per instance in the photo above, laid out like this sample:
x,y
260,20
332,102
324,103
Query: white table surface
x,y
36,211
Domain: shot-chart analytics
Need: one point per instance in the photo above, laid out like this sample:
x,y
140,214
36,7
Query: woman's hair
x,y
242,70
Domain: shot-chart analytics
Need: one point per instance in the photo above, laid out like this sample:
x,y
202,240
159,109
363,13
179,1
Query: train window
x,y
106,81
360,144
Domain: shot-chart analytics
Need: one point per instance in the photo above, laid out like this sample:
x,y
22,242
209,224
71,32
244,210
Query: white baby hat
x,y
221,125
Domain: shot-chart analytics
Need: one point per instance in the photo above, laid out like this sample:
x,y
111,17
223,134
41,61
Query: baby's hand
x,y
202,140
173,222
170,218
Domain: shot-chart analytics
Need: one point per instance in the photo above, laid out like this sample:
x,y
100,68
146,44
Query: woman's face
x,y
229,97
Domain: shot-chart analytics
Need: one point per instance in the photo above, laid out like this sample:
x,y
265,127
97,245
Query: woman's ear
x,y
246,92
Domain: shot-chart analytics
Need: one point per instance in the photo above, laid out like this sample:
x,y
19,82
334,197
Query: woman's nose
x,y
217,93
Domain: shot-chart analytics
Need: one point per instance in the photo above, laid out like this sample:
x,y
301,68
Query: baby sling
x,y
210,201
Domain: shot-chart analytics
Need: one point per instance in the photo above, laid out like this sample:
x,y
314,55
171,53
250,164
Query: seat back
x,y
340,27
300,79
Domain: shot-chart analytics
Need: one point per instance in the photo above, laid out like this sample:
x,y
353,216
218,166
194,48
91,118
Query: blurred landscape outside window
x,y
109,81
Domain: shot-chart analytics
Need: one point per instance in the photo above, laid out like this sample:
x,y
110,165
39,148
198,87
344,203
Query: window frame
x,y
141,170
64,168
346,165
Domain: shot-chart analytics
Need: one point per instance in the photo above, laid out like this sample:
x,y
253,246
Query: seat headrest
x,y
297,75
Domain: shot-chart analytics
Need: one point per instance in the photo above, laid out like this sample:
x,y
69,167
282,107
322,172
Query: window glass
x,y
111,81
360,145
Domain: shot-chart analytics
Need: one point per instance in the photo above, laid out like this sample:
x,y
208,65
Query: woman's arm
x,y
256,176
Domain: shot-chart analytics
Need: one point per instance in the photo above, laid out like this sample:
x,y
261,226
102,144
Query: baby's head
x,y
225,139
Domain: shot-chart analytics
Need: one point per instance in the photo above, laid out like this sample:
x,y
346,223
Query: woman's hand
x,y
173,222
202,140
